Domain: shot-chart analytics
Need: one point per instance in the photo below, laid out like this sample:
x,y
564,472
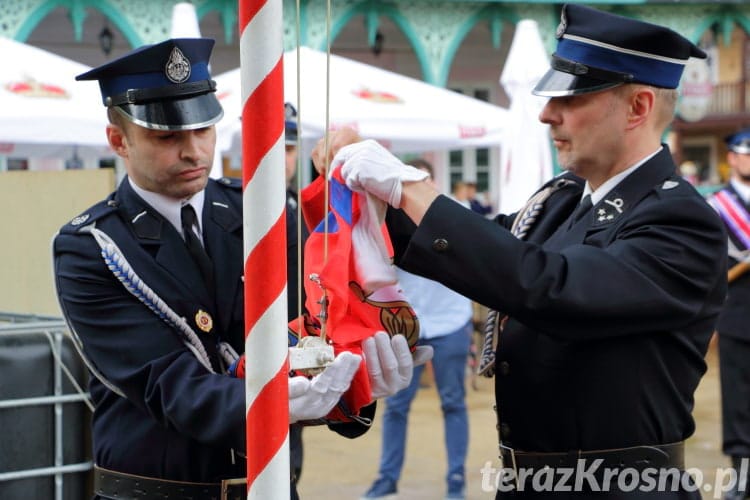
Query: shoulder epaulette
x,y
567,176
674,186
230,182
90,215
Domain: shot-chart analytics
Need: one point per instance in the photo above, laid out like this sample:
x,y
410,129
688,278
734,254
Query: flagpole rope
x,y
298,169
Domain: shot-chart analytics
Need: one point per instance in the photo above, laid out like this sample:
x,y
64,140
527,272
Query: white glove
x,y
311,399
390,364
370,167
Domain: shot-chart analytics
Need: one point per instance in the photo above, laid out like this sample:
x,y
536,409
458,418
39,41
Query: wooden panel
x,y
34,206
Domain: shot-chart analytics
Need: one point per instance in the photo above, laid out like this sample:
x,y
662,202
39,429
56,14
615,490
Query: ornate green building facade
x,y
434,29
435,33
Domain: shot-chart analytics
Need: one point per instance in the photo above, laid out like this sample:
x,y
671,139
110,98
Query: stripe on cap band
x,y
653,70
624,51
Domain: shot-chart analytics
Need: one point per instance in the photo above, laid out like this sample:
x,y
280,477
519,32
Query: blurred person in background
x,y
475,203
733,205
445,319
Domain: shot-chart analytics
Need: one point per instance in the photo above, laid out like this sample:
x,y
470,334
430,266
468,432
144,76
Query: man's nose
x,y
549,113
191,145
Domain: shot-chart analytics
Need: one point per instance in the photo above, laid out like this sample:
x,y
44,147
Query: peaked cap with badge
x,y
598,50
739,142
165,86
290,124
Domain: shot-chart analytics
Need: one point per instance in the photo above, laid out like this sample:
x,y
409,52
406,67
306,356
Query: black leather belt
x,y
662,456
111,484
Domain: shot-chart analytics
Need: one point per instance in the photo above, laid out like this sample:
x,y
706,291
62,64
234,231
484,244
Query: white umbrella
x,y
45,112
525,157
184,21
405,114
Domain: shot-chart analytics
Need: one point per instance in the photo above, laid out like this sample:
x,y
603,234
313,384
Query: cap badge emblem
x,y
178,67
204,321
77,221
563,24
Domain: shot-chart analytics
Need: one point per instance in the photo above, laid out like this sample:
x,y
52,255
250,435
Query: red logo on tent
x,y
32,88
466,132
377,96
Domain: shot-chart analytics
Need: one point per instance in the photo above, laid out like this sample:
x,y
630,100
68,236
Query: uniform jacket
x,y
733,321
610,320
177,421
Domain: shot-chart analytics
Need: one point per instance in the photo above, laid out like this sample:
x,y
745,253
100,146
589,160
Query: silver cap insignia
x,y
563,24
178,67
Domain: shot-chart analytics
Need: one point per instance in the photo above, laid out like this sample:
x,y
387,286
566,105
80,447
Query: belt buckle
x,y
226,484
513,464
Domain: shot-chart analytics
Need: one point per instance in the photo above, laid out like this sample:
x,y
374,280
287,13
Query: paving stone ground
x,y
338,468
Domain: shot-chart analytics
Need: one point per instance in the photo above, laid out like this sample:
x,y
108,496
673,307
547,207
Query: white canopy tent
x,y
526,159
404,114
45,112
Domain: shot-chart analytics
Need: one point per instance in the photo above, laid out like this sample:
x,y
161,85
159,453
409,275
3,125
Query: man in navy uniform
x,y
295,232
150,281
733,205
612,280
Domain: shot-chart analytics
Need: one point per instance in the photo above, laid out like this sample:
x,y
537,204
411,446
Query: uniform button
x,y
504,431
440,245
504,368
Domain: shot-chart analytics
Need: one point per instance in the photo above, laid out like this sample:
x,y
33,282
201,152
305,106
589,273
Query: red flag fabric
x,y
337,289
347,287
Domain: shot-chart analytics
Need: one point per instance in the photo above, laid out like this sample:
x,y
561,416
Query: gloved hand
x,y
390,364
369,167
315,398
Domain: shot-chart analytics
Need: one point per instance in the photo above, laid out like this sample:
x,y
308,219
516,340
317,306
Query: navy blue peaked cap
x,y
597,50
739,142
290,124
165,86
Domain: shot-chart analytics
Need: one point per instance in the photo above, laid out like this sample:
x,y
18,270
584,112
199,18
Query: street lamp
x,y
377,47
105,40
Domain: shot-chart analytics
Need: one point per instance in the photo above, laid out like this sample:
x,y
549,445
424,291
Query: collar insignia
x,y
178,67
608,209
670,184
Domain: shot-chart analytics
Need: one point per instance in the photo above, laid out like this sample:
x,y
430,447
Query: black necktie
x,y
581,209
195,247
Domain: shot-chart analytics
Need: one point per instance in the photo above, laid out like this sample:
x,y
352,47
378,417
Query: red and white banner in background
x,y
264,226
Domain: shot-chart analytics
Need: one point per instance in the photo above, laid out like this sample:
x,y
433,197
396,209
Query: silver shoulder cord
x,y
524,221
120,267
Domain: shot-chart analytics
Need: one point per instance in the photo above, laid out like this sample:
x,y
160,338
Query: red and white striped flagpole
x,y
264,226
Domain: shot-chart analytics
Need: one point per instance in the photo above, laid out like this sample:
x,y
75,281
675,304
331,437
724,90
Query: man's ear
x,y
117,140
640,105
